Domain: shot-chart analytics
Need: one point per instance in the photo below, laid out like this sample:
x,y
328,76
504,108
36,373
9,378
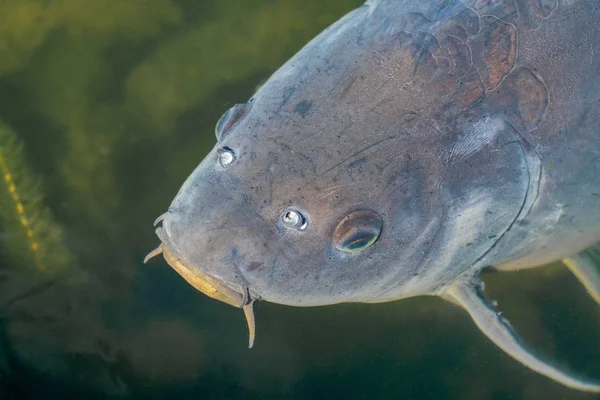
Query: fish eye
x,y
230,118
226,156
294,219
357,231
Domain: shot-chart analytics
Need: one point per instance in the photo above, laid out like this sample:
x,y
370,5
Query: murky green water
x,y
105,107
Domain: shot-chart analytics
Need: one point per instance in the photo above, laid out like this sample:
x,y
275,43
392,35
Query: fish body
x,y
404,149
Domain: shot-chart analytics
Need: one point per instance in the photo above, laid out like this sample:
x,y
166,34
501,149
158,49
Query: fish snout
x,y
235,295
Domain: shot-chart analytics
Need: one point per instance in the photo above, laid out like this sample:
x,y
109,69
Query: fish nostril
x,y
226,157
294,219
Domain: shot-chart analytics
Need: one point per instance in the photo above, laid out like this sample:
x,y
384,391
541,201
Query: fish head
x,y
336,183
272,213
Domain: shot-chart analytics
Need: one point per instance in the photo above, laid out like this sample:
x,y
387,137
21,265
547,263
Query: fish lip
x,y
211,286
219,289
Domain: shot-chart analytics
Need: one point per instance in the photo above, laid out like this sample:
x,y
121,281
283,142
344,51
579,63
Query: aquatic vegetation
x,y
30,233
23,29
116,19
69,80
26,24
187,69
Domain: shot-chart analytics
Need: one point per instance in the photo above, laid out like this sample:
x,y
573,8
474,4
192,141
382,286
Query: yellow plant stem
x,y
20,209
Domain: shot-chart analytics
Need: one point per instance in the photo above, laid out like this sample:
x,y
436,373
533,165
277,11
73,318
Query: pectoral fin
x,y
467,294
585,269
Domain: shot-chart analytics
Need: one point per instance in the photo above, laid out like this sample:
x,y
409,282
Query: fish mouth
x,y
207,284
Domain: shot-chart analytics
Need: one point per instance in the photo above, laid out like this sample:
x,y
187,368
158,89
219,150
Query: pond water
x,y
106,106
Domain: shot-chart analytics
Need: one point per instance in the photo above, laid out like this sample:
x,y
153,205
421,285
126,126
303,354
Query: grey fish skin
x,y
453,135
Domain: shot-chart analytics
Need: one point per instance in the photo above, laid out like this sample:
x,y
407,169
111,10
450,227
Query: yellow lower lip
x,y
210,286
203,282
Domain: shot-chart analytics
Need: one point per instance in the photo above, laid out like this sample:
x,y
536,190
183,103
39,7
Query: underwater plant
x,y
31,237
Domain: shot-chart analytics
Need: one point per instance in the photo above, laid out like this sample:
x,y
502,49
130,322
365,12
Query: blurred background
x,y
106,106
